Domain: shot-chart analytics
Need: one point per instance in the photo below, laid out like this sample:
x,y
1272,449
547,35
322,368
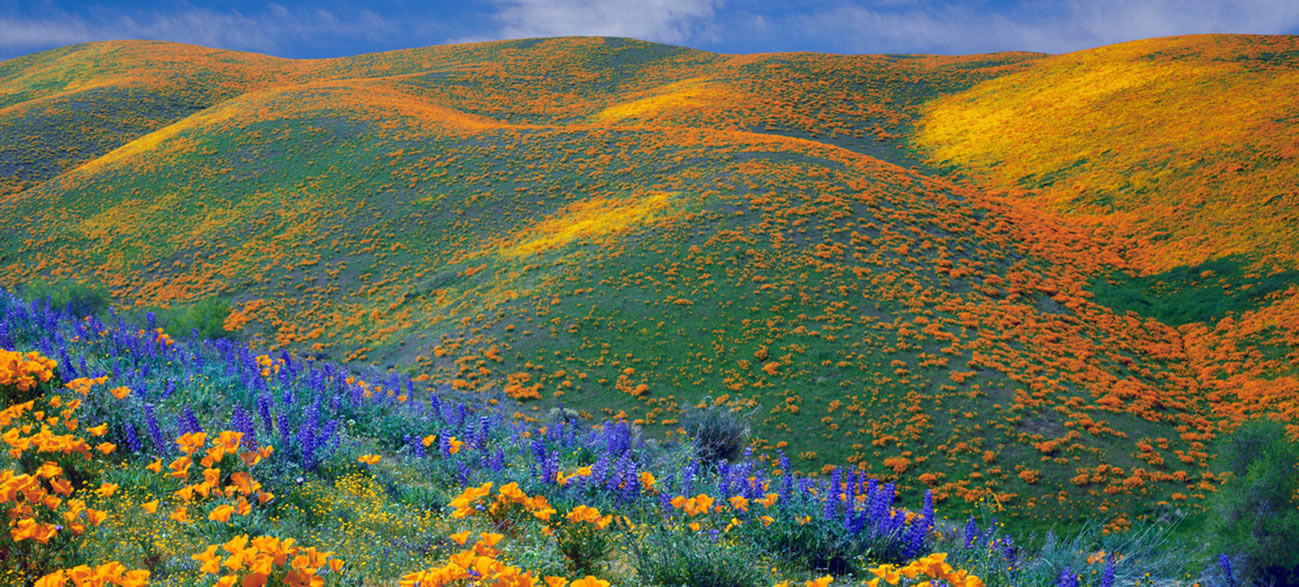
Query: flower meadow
x,y
617,227
135,456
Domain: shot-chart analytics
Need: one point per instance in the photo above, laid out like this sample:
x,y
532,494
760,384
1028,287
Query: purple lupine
x,y
786,489
688,476
832,495
435,404
264,411
1107,577
971,533
132,441
67,372
850,503
171,388
1224,563
550,468
1009,552
308,436
1067,578
617,438
600,470
497,464
242,422
416,446
991,533
285,433
191,422
484,428
880,505
915,537
627,479
155,431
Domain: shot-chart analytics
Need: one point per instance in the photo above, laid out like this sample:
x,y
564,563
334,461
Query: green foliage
x,y
83,299
718,433
1200,293
814,547
206,316
673,558
1255,519
584,547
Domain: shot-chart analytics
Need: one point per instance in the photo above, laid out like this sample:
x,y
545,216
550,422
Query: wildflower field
x,y
595,309
300,472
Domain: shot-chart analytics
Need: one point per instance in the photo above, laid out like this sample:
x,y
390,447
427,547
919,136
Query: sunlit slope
x,y
618,225
862,312
1187,144
1181,151
64,107
61,108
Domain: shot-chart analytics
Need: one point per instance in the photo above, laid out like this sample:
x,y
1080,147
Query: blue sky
x,y
331,28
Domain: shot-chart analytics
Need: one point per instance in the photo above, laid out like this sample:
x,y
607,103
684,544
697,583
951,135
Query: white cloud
x,y
1052,26
666,21
273,30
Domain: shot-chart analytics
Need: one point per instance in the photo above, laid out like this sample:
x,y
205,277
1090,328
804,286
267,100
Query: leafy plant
x,y
79,298
1255,517
673,558
718,433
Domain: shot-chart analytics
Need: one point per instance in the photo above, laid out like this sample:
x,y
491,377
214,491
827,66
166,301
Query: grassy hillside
x,y
632,230
311,473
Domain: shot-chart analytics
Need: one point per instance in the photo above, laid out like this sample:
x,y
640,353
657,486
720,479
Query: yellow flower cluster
x,y
24,370
699,504
933,566
43,491
239,486
563,479
253,563
589,515
83,385
110,573
39,500
508,495
18,436
478,565
453,445
269,366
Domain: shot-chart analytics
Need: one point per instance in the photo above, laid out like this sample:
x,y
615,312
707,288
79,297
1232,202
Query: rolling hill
x,y
1048,281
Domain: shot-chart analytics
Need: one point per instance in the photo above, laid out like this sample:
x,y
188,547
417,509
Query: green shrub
x,y
821,547
584,547
718,433
1254,516
83,299
207,316
678,557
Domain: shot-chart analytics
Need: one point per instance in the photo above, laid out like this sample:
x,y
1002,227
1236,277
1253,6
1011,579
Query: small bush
x,y
1255,521
822,547
82,299
207,316
674,558
718,433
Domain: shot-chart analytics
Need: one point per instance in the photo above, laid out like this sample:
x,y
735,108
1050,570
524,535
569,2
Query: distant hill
x,y
1050,280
